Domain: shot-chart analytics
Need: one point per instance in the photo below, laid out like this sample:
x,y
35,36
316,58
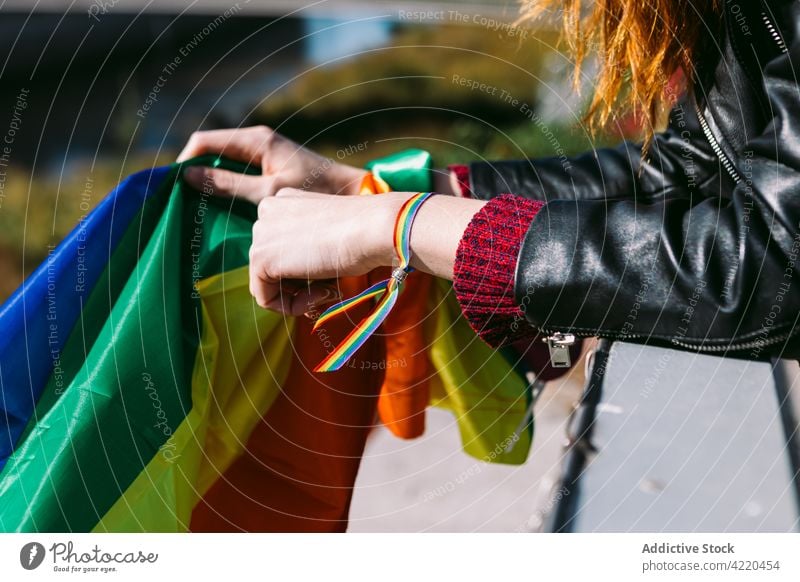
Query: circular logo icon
x,y
31,555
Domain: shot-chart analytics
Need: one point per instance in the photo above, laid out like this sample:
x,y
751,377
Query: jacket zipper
x,y
559,343
774,33
721,156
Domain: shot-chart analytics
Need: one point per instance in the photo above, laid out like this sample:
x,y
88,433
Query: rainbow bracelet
x,y
386,291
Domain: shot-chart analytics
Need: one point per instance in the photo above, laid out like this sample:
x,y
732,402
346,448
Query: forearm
x,y
306,236
435,234
475,244
437,230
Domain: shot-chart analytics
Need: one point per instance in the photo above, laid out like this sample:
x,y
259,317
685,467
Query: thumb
x,y
226,183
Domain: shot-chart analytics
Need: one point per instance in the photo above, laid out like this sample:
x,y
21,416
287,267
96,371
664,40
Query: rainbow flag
x,y
135,366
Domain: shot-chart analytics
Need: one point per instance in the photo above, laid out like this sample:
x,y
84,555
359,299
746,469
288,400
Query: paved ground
x,y
430,484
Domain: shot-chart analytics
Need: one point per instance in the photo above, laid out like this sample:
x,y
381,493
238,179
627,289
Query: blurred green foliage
x,y
449,89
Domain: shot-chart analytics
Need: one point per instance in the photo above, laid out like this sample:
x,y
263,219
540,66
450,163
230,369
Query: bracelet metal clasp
x,y
399,275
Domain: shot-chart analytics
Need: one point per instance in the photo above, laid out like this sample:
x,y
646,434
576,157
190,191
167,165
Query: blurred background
x,y
92,91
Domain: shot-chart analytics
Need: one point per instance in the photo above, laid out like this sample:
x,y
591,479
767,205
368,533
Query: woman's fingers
x,y
225,183
278,157
313,298
303,298
310,236
246,144
288,295
264,291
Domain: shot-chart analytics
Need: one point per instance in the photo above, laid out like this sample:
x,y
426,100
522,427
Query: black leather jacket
x,y
696,246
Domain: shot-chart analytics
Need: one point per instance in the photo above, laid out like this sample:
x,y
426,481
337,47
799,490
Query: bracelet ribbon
x,y
386,291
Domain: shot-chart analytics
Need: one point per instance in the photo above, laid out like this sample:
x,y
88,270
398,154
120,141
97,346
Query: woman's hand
x,y
301,237
283,163
306,236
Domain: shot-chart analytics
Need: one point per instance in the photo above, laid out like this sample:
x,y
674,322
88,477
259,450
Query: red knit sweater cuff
x,y
486,261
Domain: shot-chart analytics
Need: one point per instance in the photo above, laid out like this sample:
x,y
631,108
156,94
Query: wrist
x,y
437,231
435,235
378,240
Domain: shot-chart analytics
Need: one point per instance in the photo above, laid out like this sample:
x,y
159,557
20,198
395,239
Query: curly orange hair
x,y
639,45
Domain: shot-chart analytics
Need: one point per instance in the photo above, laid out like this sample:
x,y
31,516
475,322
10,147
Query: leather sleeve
x,y
705,272
610,172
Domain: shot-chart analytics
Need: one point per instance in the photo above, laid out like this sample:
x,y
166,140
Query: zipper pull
x,y
559,344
